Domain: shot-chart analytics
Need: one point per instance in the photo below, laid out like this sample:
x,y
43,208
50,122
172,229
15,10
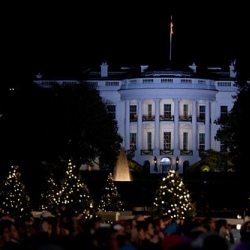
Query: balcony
x,y
166,151
185,118
201,119
147,152
186,152
147,118
166,118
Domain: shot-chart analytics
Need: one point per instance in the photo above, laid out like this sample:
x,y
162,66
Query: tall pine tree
x,y
173,198
13,195
111,200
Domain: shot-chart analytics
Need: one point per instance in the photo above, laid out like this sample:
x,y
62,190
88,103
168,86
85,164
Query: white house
x,y
166,117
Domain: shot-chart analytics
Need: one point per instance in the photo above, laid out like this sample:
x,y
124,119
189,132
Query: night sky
x,y
69,37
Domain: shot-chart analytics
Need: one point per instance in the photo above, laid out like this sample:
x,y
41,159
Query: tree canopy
x,y
41,128
234,130
59,122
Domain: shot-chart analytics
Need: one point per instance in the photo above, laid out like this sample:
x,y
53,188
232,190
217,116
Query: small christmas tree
x,y
110,200
13,197
49,196
172,198
74,194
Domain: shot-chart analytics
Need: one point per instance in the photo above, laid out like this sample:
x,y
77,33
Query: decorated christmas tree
x,y
13,195
110,200
74,194
50,196
172,198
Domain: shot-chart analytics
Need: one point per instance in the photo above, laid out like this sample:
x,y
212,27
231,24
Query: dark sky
x,y
66,38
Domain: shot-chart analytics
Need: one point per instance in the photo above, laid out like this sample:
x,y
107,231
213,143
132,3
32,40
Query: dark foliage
x,y
43,127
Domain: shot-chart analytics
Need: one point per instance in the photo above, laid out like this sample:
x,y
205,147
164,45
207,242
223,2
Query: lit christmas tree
x,y
110,200
172,198
49,196
74,194
13,197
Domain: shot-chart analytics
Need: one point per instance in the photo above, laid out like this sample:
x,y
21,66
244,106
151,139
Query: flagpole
x,y
170,37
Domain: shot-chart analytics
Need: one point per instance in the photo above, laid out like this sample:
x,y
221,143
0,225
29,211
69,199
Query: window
x,y
167,141
202,112
201,141
185,110
132,141
149,110
167,111
133,113
185,141
111,110
149,140
223,110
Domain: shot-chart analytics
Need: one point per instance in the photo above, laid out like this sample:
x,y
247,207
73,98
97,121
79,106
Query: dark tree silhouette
x,y
57,123
234,130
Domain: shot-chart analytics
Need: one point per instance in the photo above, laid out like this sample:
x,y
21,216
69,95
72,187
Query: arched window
x,y
165,165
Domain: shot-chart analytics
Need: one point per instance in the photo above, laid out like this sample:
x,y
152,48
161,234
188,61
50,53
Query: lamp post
x,y
155,162
177,164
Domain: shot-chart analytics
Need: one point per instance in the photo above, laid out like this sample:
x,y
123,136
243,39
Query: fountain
x,y
121,170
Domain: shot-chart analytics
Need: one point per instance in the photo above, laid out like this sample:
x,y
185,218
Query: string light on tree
x,y
172,198
13,197
49,196
74,194
111,200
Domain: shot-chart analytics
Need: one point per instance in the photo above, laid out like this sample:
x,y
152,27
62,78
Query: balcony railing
x,y
166,151
147,152
182,118
186,152
166,118
201,119
146,118
185,118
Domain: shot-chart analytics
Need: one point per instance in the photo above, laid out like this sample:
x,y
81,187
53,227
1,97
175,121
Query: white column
x,y
194,125
207,126
176,125
127,126
157,127
139,124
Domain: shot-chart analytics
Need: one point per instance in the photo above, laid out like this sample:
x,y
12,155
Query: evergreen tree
x,y
172,198
211,161
13,196
74,194
111,199
234,130
49,196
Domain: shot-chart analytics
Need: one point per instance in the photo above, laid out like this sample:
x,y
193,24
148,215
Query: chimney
x,y
193,67
38,75
143,68
104,69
